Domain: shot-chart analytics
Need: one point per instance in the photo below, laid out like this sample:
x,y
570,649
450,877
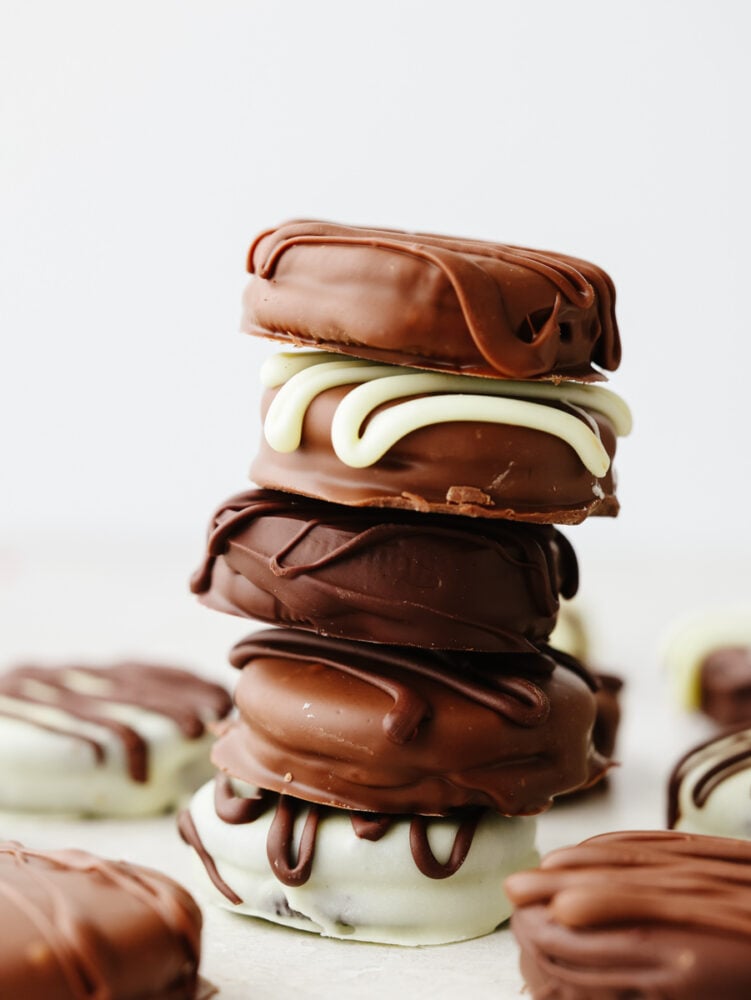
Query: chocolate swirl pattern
x,y
483,308
646,913
389,577
145,940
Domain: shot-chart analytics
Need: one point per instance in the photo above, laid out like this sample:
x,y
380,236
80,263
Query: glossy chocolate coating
x,y
75,927
385,576
465,467
725,685
401,730
608,716
431,301
645,914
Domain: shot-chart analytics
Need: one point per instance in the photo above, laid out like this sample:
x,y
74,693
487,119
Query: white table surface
x,y
98,600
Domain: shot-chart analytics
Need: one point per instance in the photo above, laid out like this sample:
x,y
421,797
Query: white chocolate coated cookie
x,y
355,876
129,740
710,788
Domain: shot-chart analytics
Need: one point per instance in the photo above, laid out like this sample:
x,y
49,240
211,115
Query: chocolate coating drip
x,y
432,301
394,730
396,577
279,845
145,942
366,826
187,830
175,694
637,914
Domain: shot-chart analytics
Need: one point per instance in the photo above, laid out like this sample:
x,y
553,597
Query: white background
x,y
143,144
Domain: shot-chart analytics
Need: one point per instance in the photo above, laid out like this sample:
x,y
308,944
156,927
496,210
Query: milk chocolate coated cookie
x,y
709,790
386,576
407,880
642,915
75,927
391,729
125,740
432,301
356,433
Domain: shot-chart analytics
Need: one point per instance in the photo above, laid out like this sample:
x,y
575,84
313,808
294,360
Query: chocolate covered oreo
x,y
390,729
356,433
645,914
75,926
125,740
430,301
393,577
407,880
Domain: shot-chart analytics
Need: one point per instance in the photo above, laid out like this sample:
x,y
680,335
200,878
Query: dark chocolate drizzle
x,y
503,683
732,754
230,805
187,830
372,528
478,293
174,694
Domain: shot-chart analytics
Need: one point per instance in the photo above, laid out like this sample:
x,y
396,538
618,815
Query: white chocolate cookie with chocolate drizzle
x,y
129,740
709,790
407,880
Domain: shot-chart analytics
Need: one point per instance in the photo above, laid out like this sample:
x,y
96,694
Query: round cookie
x,y
75,927
644,914
430,301
385,576
404,730
709,788
407,880
356,433
127,740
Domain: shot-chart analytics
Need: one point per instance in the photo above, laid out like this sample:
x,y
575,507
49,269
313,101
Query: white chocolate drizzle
x,y
441,398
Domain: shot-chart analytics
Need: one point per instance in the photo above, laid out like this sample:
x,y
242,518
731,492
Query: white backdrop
x,y
144,144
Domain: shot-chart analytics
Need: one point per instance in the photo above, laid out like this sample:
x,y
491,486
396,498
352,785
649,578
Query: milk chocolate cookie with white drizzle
x,y
125,740
434,302
74,926
403,730
407,880
395,577
362,434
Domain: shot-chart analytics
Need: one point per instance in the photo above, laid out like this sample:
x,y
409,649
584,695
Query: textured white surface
x,y
109,599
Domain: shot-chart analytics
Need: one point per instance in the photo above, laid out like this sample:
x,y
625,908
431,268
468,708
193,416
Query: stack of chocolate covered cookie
x,y
397,733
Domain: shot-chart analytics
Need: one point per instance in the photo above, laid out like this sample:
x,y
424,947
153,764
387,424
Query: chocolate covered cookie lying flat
x,y
432,301
74,927
405,730
640,915
408,880
353,432
126,740
393,577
